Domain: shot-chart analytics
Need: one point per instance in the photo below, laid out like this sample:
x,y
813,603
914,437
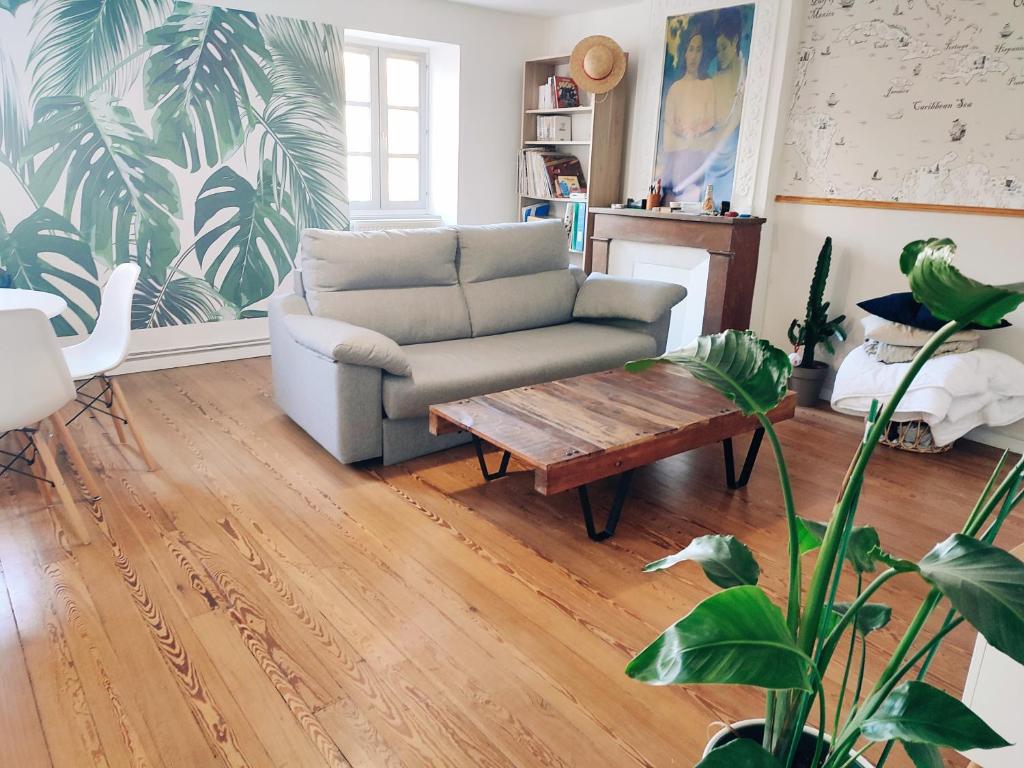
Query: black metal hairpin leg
x,y
502,468
748,462
621,491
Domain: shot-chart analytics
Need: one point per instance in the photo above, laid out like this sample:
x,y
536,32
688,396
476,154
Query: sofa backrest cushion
x,y
401,283
516,276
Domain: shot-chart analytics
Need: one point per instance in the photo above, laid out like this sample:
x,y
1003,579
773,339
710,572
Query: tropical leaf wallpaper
x,y
195,140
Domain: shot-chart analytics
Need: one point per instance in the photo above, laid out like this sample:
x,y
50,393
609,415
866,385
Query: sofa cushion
x,y
603,297
521,302
398,258
450,370
407,315
516,276
401,283
490,251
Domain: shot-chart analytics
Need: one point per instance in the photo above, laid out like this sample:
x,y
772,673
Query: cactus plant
x,y
817,328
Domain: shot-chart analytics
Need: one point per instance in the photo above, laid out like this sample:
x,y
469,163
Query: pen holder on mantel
x,y
653,201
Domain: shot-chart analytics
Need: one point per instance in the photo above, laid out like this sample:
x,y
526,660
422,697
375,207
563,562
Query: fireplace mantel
x,y
732,243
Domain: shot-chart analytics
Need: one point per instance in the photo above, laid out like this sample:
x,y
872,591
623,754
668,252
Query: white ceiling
x,y
544,7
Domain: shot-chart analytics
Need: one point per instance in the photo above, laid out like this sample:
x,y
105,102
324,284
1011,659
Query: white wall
x,y
866,242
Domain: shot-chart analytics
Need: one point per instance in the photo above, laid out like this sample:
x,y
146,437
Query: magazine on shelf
x,y
540,168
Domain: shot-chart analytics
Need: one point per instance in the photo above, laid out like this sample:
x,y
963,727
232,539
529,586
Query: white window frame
x,y
379,206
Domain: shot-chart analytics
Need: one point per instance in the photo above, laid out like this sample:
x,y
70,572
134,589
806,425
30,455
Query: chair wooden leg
x,y
125,410
44,487
71,448
75,517
118,415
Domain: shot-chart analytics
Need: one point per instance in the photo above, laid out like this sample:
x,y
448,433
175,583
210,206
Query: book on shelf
x,y
575,221
536,211
558,92
554,128
540,169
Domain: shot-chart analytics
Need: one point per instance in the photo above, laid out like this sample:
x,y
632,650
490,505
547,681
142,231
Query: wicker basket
x,y
914,436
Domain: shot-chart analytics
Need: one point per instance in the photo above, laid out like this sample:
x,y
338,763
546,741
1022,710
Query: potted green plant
x,y
808,377
739,636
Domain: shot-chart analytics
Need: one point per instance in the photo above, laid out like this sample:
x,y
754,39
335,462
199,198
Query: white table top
x,y
18,298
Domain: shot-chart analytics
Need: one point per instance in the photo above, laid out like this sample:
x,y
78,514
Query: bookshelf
x,y
597,135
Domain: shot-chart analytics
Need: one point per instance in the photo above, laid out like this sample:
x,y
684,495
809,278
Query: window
x,y
386,124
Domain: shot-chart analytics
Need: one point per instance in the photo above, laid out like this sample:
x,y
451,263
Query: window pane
x,y
357,76
403,179
357,128
360,179
403,132
403,82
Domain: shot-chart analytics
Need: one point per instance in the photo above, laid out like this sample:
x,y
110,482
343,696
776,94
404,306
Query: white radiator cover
x,y
410,222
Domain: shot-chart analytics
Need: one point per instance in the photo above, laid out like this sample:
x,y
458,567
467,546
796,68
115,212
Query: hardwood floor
x,y
255,603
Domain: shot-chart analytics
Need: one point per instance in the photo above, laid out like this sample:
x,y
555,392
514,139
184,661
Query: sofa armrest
x,y
603,297
347,343
338,404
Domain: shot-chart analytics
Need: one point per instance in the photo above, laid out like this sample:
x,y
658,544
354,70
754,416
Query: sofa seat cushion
x,y
451,370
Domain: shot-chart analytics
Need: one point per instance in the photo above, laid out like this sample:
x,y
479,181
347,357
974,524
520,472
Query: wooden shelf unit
x,y
598,126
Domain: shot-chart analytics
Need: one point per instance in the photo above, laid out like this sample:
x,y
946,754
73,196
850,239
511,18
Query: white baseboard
x,y
199,354
174,347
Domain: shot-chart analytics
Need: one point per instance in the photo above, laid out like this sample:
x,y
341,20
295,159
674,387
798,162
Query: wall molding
x,y
892,205
158,358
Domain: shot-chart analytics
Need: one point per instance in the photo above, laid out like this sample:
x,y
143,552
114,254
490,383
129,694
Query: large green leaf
x,y
870,617
78,43
13,115
104,162
178,300
747,370
246,238
726,561
302,129
950,295
307,63
199,82
985,584
46,253
735,637
741,753
923,755
862,549
12,5
918,713
303,152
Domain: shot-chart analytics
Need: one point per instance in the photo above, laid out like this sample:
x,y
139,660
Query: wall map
x,y
911,101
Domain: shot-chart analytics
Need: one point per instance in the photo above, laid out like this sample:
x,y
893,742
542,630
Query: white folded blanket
x,y
953,394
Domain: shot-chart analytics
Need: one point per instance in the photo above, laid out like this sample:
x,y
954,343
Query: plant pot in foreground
x,y
807,383
753,729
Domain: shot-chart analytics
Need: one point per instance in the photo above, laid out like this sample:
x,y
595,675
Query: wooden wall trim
x,y
975,210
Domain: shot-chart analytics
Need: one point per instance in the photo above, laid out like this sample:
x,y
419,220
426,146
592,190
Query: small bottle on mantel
x,y
708,208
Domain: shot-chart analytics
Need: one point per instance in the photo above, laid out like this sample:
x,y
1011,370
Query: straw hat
x,y
597,64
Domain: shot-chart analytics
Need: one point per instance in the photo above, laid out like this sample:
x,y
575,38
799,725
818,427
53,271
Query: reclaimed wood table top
x,y
577,430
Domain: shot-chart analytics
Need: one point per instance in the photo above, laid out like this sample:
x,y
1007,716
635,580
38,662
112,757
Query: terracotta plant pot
x,y
807,383
753,729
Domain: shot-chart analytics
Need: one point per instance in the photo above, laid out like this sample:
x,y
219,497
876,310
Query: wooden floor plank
x,y
253,602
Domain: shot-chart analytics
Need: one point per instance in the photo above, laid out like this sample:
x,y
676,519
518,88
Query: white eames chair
x,y
104,350
35,385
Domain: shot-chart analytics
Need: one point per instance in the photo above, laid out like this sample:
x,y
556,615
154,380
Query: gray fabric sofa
x,y
384,324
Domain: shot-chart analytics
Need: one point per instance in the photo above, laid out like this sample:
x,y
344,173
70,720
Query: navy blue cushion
x,y
904,308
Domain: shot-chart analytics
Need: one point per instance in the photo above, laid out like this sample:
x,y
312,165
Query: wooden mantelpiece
x,y
732,242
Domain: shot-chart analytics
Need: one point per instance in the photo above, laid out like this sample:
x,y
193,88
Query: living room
x,y
512,383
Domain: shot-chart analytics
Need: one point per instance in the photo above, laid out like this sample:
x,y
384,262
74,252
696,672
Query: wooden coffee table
x,y
574,431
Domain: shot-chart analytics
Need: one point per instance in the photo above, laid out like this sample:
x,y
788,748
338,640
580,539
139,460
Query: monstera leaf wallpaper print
x,y
195,140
